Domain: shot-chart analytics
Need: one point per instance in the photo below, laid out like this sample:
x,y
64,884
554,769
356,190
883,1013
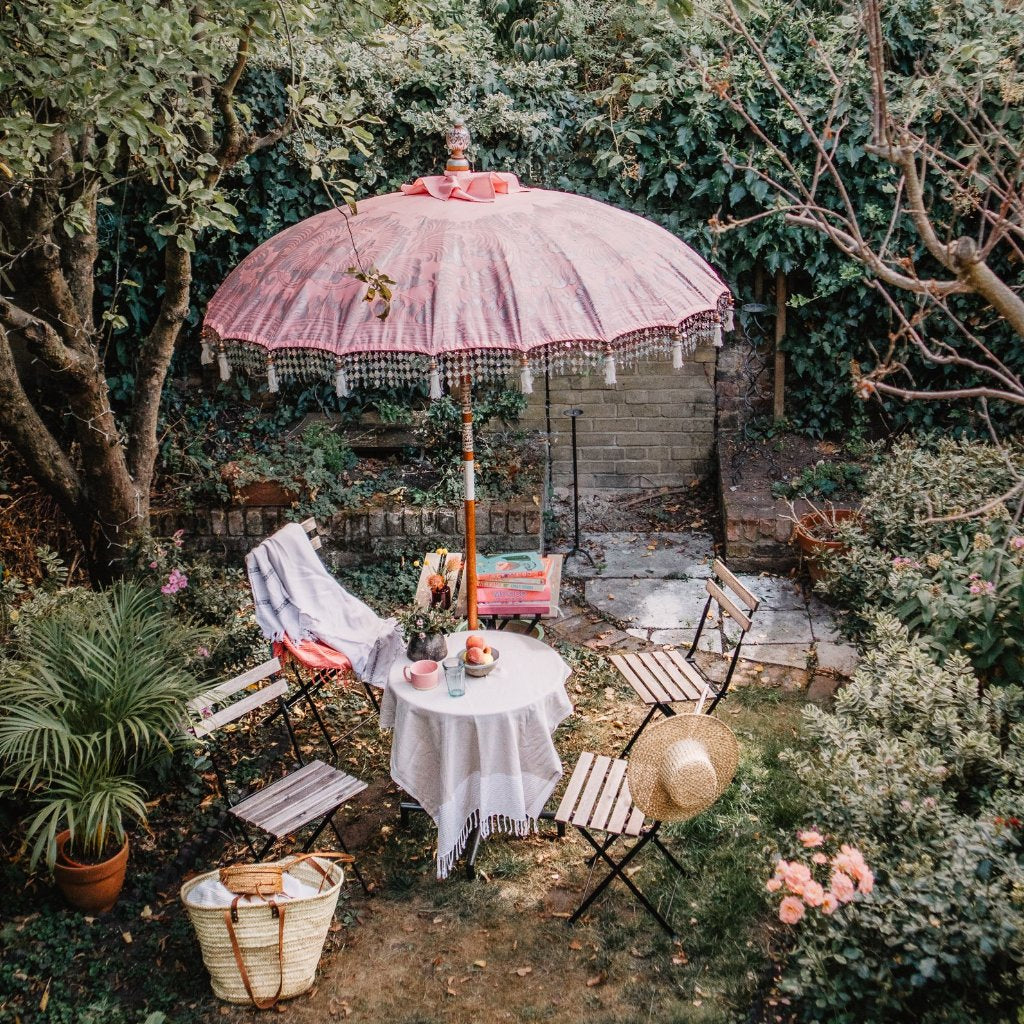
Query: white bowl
x,y
479,671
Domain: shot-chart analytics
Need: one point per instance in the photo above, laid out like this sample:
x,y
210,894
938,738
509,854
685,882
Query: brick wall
x,y
654,428
354,537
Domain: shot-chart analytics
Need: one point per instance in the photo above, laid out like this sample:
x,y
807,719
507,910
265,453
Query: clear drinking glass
x,y
455,676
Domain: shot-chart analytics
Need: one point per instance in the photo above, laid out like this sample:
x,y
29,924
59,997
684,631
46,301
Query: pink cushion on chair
x,y
312,654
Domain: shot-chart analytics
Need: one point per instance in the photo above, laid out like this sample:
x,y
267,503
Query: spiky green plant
x,y
89,701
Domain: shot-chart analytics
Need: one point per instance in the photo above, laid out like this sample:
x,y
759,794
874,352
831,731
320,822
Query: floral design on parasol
x,y
492,280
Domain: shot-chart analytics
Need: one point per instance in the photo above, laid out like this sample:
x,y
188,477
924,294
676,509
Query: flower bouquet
x,y
425,630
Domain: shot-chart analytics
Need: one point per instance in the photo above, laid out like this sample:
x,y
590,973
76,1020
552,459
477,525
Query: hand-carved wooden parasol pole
x,y
470,494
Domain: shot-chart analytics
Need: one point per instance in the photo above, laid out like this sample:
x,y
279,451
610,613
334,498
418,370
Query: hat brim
x,y
643,770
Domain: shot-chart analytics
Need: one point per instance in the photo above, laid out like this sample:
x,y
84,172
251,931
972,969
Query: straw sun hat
x,y
681,766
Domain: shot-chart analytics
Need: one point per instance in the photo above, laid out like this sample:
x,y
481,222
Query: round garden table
x,y
483,762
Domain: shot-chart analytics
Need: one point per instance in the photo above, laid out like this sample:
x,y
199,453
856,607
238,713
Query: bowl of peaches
x,y
479,657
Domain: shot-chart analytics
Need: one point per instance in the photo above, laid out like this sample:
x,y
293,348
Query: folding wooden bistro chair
x,y
307,797
681,766
313,664
597,799
663,678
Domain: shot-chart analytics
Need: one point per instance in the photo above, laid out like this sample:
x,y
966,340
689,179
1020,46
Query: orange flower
x,y
435,581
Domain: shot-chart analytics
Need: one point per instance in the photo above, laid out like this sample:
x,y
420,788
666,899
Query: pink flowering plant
x,y
823,877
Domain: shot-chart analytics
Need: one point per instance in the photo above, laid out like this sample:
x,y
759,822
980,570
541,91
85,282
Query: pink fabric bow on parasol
x,y
491,280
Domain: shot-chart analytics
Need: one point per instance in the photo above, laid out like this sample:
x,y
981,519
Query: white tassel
x,y
526,379
609,369
435,381
677,354
206,354
730,320
224,365
272,385
717,337
340,381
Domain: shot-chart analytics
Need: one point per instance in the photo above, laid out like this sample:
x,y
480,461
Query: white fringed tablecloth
x,y
485,760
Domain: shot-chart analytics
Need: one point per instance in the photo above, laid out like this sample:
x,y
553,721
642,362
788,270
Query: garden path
x,y
650,585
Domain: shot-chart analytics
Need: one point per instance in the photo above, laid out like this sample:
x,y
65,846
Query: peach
x,y
475,641
475,656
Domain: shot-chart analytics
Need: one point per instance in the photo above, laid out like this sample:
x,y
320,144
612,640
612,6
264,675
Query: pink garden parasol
x,y
492,280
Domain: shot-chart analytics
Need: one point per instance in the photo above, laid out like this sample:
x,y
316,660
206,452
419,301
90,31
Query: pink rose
x,y
810,838
820,858
849,859
791,910
813,894
773,884
796,876
866,881
829,903
842,886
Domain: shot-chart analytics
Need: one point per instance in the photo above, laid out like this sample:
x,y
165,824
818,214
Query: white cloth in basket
x,y
212,892
485,760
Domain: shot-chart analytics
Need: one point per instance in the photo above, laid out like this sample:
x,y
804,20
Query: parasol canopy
x,y
489,276
491,279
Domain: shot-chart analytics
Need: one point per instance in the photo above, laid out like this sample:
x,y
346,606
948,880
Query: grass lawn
x,y
421,950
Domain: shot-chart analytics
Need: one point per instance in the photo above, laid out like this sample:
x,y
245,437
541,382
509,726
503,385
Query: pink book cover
x,y
501,595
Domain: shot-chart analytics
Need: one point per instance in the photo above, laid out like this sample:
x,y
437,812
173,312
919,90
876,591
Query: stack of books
x,y
518,583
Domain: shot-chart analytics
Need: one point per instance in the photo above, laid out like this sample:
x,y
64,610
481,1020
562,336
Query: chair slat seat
x,y
298,799
662,679
598,797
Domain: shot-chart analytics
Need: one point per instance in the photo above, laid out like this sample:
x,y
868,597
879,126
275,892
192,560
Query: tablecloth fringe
x,y
493,823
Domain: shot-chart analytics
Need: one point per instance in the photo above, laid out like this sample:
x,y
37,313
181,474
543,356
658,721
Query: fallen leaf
x,y
127,936
45,1001
479,963
575,944
437,920
524,971
680,958
147,912
597,979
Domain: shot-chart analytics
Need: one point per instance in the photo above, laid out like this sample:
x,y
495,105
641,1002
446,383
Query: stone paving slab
x,y
793,655
791,626
776,592
644,556
656,604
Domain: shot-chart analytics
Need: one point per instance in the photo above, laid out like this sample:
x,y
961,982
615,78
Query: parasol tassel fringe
x,y
677,354
717,340
223,365
435,381
526,379
206,354
609,369
730,320
272,382
340,382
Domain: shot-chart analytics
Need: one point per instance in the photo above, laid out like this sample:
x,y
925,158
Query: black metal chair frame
x,y
618,869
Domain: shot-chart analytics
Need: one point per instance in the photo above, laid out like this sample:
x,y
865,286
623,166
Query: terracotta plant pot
x,y
806,533
256,492
93,888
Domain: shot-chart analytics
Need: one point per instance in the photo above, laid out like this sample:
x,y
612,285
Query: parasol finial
x,y
458,139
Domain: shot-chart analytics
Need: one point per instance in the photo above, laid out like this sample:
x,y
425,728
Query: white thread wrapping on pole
x,y
223,365
717,340
526,379
609,369
730,320
272,383
677,354
340,381
206,354
469,480
435,381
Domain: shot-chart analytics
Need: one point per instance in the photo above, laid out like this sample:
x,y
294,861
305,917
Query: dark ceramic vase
x,y
428,648
441,598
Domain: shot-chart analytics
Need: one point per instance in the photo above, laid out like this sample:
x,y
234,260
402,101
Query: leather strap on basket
x,y
230,916
341,858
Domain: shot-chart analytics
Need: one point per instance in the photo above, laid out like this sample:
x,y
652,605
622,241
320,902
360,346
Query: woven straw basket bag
x,y
260,952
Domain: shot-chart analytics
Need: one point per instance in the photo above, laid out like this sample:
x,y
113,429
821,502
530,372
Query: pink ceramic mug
x,y
422,674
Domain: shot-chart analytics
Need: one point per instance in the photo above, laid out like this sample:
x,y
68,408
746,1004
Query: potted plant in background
x,y
93,697
425,631
818,533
